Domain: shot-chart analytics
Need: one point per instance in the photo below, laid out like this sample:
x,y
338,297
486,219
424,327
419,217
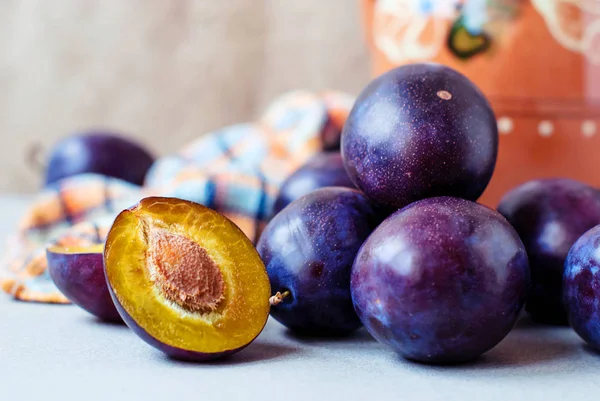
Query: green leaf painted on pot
x,y
465,45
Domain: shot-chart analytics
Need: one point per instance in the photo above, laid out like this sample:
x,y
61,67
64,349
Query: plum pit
x,y
184,272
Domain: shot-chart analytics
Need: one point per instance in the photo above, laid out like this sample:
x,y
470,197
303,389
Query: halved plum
x,y
79,274
186,279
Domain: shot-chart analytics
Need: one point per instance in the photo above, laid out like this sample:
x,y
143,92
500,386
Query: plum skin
x,y
441,281
172,352
325,169
419,131
80,277
581,287
98,152
550,215
308,249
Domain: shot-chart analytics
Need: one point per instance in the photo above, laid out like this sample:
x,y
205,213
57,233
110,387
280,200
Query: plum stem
x,y
278,297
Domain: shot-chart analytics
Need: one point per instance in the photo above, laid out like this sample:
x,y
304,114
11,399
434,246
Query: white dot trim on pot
x,y
545,128
588,128
505,125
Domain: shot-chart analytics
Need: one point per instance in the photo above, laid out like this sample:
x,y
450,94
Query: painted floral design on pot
x,y
537,61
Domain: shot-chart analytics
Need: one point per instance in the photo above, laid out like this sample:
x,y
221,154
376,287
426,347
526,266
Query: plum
x,y
79,274
581,287
441,281
420,131
308,250
322,170
98,152
186,279
550,215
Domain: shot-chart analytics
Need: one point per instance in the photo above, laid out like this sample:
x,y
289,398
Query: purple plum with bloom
x,y
550,215
441,281
308,250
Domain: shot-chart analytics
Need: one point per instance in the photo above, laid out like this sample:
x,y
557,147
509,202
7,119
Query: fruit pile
x,y
385,234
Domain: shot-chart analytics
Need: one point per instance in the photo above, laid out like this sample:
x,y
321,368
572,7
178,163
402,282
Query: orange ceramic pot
x,y
538,62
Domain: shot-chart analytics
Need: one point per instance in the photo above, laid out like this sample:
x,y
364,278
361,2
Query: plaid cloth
x,y
236,170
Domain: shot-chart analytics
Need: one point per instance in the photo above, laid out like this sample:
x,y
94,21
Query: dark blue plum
x,y
322,170
550,215
308,250
101,153
420,131
441,281
581,287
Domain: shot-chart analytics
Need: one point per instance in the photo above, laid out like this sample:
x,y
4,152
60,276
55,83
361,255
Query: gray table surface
x,y
58,352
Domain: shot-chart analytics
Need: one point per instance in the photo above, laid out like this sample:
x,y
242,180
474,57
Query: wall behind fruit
x,y
163,71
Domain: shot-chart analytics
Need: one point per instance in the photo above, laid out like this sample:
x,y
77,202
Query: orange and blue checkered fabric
x,y
236,170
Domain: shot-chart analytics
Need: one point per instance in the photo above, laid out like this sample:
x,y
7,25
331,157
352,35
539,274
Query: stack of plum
x,y
386,234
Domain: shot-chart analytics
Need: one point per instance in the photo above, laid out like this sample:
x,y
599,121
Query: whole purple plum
x,y
98,152
419,131
322,170
308,250
79,275
441,281
550,215
581,287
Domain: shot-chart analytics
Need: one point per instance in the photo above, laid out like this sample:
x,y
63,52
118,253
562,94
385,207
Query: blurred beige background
x,y
163,71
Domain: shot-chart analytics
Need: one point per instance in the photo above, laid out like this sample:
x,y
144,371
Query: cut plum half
x,y
186,279
79,274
